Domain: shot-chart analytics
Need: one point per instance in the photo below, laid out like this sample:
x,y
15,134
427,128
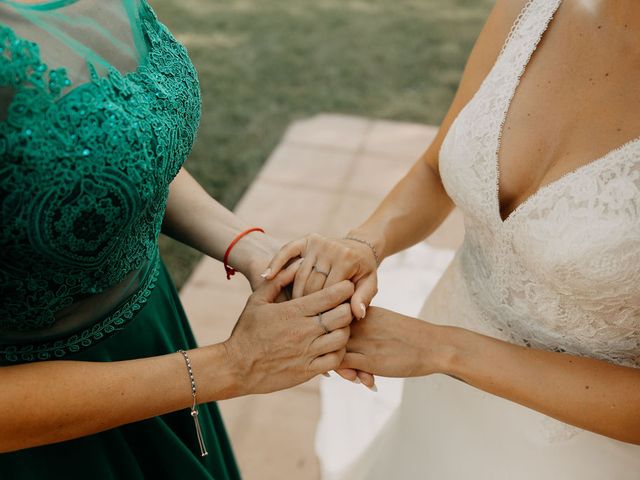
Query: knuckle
x,y
343,335
333,295
345,311
292,312
350,288
335,359
350,255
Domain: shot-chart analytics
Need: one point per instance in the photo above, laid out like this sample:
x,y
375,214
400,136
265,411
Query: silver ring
x,y
315,267
321,323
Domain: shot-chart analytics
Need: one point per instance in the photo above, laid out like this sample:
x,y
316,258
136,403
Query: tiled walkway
x,y
327,175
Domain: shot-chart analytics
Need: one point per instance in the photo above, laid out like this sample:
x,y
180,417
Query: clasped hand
x,y
278,343
381,342
325,262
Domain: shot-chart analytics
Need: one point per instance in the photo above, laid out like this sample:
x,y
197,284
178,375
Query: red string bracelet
x,y
230,270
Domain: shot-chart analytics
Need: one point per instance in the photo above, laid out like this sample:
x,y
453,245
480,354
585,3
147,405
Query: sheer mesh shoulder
x,y
72,33
101,107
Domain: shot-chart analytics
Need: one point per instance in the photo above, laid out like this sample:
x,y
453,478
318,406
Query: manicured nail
x,y
357,381
326,374
364,310
265,273
373,389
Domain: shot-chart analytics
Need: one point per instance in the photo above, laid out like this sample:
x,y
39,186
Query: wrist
x,y
447,357
216,373
251,255
375,241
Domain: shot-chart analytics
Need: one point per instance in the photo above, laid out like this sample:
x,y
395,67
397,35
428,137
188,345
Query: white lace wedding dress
x,y
561,273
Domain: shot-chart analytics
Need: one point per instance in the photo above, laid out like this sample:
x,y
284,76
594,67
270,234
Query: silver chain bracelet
x,y
194,406
368,244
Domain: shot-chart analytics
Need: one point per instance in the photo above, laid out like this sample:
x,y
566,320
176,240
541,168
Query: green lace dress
x,y
99,107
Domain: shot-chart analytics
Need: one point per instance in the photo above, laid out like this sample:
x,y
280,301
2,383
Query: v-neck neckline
x,y
557,182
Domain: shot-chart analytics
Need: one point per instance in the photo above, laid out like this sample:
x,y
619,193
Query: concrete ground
x,y
327,175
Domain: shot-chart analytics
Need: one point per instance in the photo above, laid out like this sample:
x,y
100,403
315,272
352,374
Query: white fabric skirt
x,y
440,428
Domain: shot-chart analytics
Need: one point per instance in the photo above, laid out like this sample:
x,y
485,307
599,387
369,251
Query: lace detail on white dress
x,y
562,272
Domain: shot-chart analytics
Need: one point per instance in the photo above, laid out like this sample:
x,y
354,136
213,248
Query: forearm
x,y
193,217
419,203
48,402
415,207
592,394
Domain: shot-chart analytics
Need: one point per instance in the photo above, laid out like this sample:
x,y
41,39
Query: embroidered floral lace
x,y
96,119
562,271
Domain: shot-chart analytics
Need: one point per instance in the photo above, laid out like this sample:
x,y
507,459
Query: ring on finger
x,y
321,272
321,323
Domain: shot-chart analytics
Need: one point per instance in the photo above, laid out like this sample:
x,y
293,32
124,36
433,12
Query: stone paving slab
x,y
327,175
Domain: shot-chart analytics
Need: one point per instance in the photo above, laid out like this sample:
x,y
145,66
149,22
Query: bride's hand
x,y
392,345
327,261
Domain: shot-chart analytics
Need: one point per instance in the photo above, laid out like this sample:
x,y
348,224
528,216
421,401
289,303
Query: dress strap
x,y
527,31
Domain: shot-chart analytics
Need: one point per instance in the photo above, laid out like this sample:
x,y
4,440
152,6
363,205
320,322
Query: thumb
x,y
269,291
366,289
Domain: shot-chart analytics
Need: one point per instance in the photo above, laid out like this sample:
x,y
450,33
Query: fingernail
x,y
265,273
326,374
373,389
364,310
357,381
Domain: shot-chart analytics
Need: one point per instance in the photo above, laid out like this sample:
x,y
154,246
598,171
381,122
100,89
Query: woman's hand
x,y
392,345
327,261
279,345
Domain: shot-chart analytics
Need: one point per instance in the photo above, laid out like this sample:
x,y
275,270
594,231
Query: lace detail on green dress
x,y
112,323
84,177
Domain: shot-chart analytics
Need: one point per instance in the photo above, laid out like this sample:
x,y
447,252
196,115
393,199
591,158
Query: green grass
x,y
266,63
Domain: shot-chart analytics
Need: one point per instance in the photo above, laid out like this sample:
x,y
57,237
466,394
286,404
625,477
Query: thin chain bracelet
x,y
194,406
368,244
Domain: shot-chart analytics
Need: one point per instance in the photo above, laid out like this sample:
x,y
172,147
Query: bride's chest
x,y
578,236
581,238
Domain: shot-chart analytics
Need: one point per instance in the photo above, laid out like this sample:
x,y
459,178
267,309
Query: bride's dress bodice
x,y
562,272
